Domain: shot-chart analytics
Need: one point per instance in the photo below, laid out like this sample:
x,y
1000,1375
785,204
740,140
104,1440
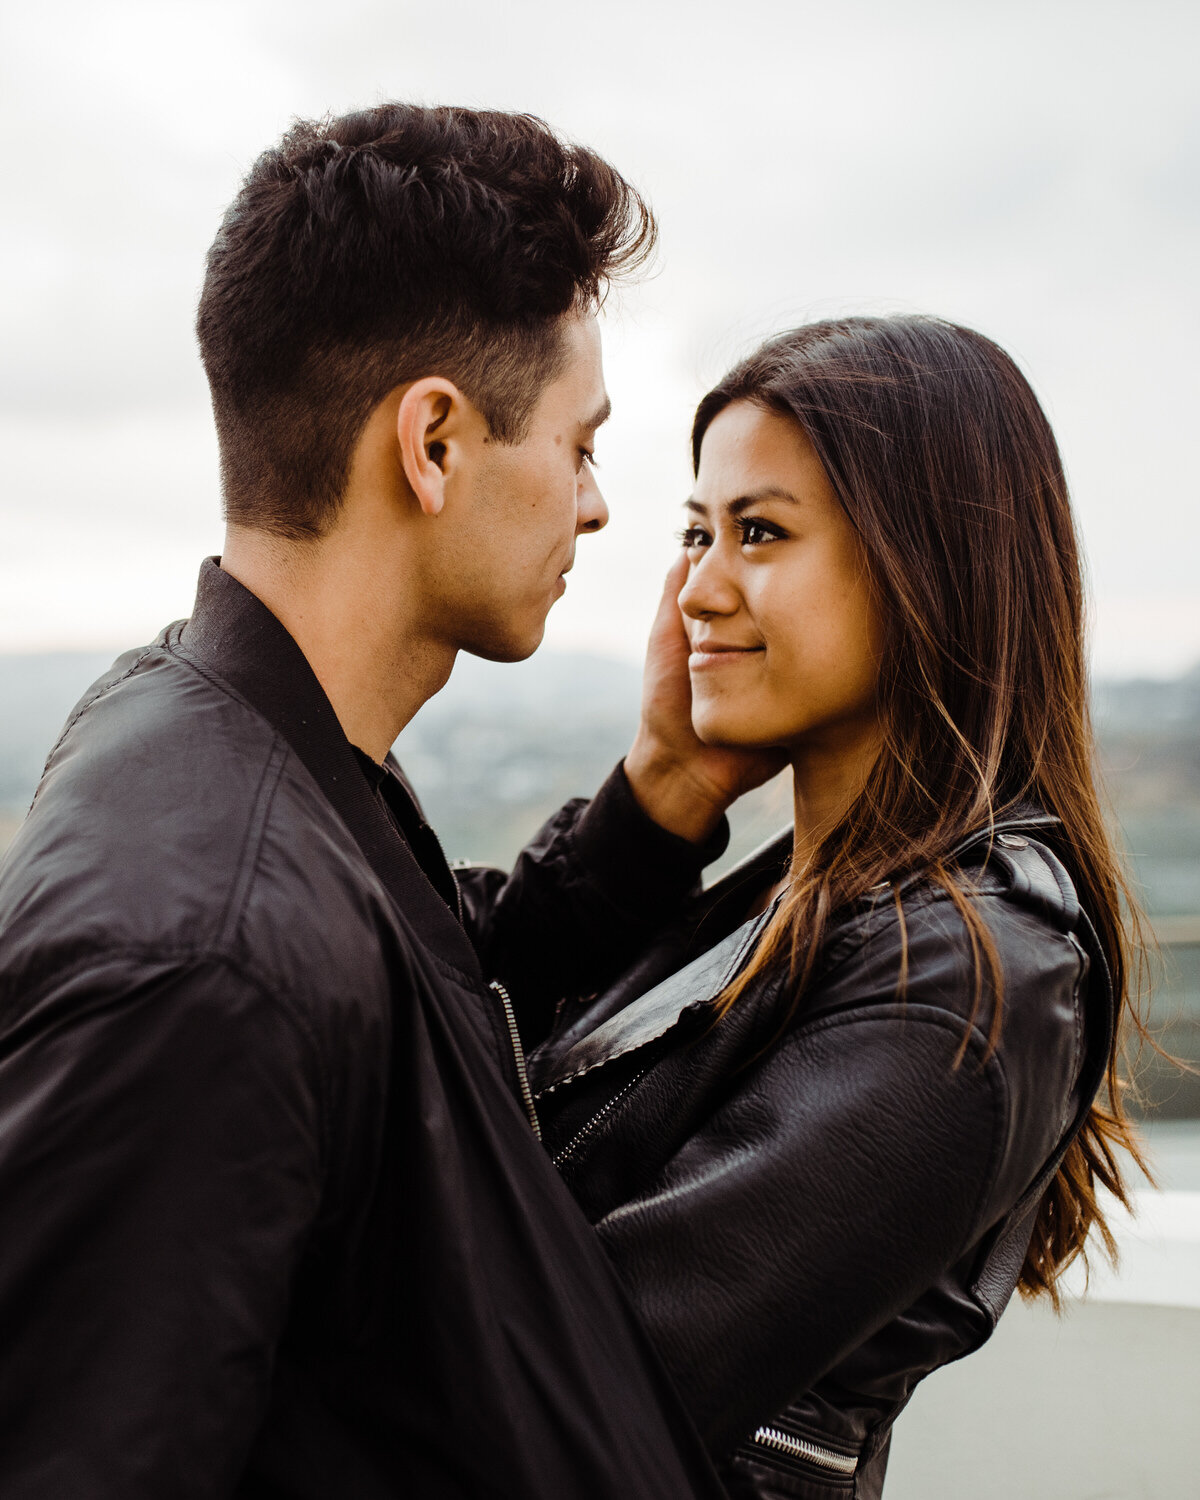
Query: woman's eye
x,y
694,536
754,533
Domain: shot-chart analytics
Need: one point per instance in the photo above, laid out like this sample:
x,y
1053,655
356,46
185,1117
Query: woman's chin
x,y
722,730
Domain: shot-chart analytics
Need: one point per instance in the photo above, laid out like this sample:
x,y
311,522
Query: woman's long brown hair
x,y
947,468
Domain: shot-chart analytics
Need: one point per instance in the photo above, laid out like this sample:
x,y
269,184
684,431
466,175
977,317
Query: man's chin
x,y
510,646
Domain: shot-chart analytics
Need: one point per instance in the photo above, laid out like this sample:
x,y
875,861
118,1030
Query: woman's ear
x,y
428,423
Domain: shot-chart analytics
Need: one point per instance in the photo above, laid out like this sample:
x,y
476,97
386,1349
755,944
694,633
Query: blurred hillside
x,y
493,754
502,746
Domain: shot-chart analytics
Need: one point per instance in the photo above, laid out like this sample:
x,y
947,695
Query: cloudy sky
x,y
1029,168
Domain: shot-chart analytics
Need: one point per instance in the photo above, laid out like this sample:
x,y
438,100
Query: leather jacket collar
x,y
233,635
690,990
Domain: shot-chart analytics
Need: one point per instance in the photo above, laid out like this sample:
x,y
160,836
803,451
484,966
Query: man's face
x,y
513,531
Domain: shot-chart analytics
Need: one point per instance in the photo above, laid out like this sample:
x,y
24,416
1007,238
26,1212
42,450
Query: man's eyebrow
x,y
601,416
744,502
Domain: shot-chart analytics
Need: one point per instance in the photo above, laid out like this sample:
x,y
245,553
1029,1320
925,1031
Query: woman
x,y
835,1116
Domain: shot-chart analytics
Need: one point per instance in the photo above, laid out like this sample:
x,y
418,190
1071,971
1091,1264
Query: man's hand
x,y
683,784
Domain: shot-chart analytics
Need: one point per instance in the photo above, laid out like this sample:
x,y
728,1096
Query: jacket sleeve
x,y
584,896
159,1172
843,1175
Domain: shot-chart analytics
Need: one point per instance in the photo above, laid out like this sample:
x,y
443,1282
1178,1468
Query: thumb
x,y
667,616
676,574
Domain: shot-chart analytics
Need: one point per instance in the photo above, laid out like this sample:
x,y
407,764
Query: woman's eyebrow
x,y
743,502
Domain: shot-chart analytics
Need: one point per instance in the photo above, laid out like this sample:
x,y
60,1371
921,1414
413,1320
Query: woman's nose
x,y
708,590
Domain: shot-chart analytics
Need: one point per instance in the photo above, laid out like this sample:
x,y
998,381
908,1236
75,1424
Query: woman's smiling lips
x,y
708,654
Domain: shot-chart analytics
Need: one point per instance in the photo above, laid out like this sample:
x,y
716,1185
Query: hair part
x,y
368,251
946,466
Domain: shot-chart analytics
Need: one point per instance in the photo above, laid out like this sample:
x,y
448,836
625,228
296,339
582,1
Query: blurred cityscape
x,y
501,747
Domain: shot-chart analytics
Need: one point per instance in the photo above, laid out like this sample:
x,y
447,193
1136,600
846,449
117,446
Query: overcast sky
x,y
1028,168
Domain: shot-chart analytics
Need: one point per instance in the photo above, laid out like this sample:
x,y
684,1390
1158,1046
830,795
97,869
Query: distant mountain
x,y
503,746
1146,704
36,695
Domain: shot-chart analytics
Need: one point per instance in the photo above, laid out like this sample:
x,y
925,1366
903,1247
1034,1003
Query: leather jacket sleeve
x,y
160,1170
584,895
843,1174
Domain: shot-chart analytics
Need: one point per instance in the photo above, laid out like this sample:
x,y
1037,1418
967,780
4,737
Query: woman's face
x,y
784,636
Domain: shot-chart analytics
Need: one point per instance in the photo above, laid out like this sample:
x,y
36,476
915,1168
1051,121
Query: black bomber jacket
x,y
813,1211
275,1221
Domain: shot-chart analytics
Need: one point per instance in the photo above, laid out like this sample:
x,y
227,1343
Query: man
x,y
276,1219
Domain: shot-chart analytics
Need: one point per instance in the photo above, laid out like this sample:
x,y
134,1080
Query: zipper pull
x,y
519,1055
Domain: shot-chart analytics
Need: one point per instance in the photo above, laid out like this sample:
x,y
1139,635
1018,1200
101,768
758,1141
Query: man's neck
x,y
355,623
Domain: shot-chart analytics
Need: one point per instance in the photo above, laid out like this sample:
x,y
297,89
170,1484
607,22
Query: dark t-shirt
x,y
405,814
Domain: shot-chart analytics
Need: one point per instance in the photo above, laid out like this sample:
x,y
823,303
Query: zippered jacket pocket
x,y
778,1464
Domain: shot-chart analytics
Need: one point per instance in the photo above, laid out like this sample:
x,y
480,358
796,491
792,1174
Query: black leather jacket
x,y
813,1214
275,1221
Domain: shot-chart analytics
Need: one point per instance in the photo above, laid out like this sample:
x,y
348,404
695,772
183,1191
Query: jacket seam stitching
x,y
251,851
181,955
880,918
280,997
181,654
89,702
276,996
195,958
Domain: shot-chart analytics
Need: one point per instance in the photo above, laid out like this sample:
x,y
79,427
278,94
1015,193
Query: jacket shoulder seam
x,y
181,957
276,996
178,653
882,918
89,700
278,755
247,863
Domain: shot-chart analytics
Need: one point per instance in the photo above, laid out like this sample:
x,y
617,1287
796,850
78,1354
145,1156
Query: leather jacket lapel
x,y
693,987
233,635
653,1014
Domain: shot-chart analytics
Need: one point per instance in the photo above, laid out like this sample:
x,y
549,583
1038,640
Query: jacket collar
x,y
653,1014
235,636
774,853
693,988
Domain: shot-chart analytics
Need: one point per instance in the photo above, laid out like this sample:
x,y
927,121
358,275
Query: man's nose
x,y
592,511
708,590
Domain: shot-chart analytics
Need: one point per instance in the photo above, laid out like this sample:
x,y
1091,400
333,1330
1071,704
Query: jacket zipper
x,y
800,1448
581,1135
519,1055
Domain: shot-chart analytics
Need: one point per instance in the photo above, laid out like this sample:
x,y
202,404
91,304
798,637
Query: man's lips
x,y
708,654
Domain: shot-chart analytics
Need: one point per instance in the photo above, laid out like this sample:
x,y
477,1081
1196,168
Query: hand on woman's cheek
x,y
684,784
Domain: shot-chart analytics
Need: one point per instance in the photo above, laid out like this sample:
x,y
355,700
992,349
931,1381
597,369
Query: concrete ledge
x,y
1101,1404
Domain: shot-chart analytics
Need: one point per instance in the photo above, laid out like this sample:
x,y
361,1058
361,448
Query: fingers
x,y
667,616
676,576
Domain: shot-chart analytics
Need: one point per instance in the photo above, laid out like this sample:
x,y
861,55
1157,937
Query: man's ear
x,y
430,422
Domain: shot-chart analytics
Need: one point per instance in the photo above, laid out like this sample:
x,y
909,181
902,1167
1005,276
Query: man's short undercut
x,y
381,247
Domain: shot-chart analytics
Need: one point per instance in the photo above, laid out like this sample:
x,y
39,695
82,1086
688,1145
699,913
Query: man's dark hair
x,y
381,247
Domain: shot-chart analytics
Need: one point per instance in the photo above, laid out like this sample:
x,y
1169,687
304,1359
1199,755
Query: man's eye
x,y
586,456
694,536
